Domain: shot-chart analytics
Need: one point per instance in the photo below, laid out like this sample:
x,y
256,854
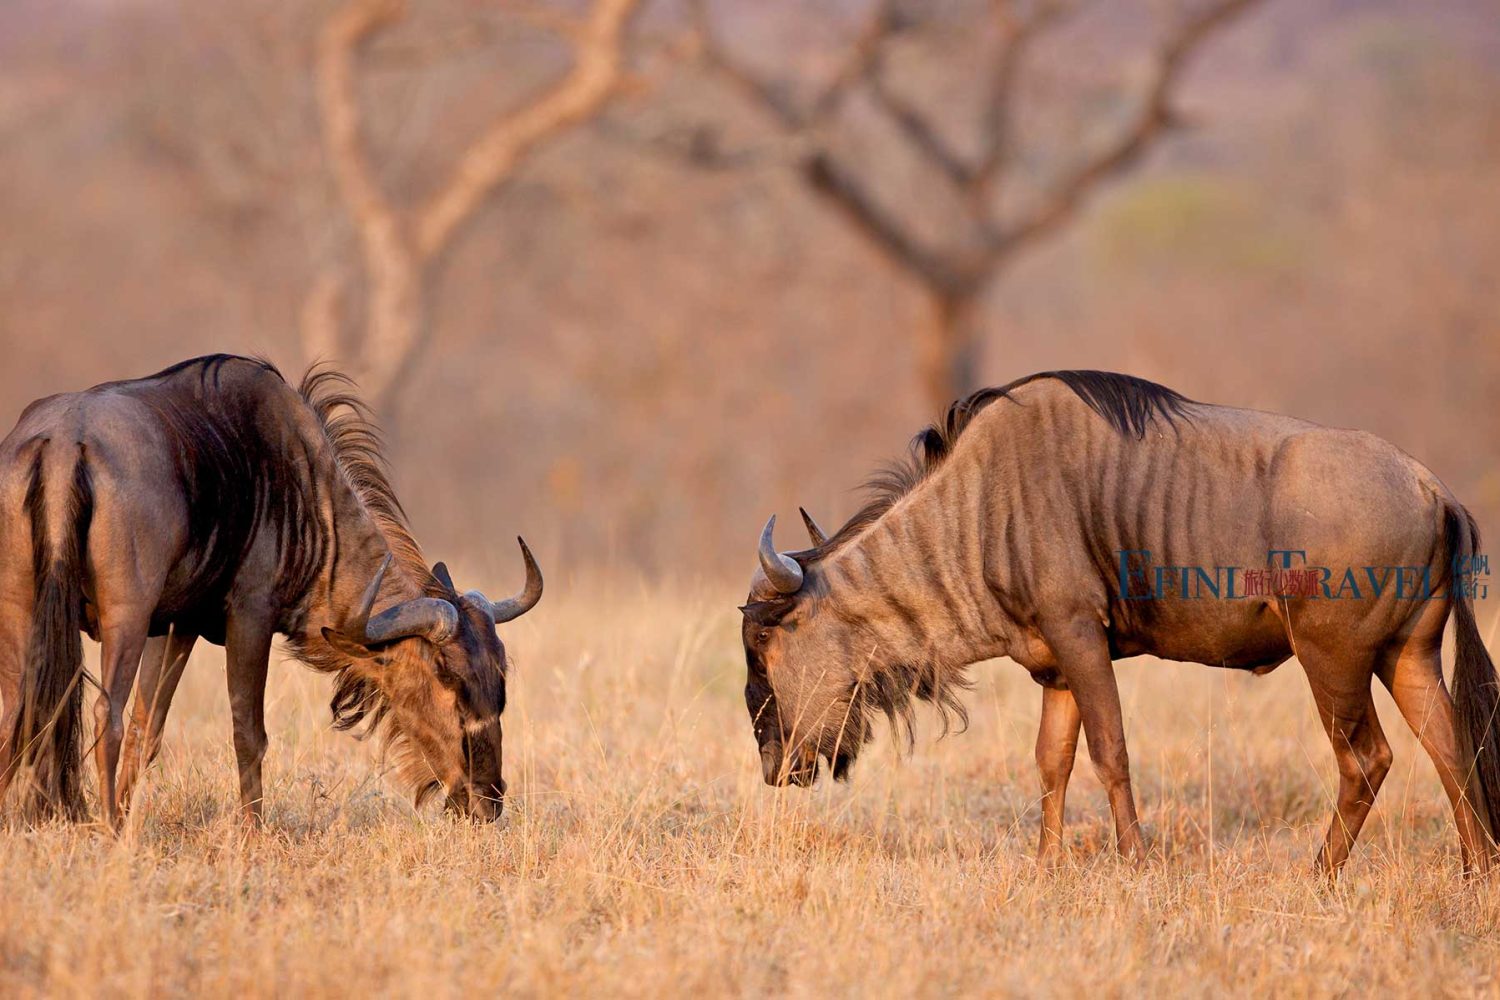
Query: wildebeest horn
x,y
783,572
434,619
356,628
813,531
514,607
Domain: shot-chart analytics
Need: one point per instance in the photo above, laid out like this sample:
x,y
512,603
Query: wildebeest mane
x,y
1129,404
357,446
358,705
361,709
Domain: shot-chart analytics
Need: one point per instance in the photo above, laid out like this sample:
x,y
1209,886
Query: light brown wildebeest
x,y
214,500
1026,525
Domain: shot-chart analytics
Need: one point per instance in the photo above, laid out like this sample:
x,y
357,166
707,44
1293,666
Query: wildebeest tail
x,y
48,729
1476,689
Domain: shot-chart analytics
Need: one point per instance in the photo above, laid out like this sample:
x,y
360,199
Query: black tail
x,y
49,728
1476,689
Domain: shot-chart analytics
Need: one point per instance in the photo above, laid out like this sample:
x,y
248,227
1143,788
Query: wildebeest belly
x,y
194,600
206,621
1241,636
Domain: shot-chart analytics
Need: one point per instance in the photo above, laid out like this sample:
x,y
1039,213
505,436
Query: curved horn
x,y
356,627
783,572
815,533
432,618
514,607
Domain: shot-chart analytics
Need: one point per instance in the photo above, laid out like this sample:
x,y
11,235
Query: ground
x,y
641,855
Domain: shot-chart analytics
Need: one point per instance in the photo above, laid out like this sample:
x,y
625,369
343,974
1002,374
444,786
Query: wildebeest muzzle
x,y
779,769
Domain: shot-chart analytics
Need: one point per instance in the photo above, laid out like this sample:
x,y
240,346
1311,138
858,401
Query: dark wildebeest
x,y
1004,534
214,500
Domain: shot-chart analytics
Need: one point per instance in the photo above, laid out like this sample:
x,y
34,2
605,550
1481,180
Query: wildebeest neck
x,y
914,586
915,580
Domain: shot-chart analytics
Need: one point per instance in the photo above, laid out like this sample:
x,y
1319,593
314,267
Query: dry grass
x,y
642,855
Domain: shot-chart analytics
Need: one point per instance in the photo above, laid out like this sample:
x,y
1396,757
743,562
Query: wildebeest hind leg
x,y
1415,679
1056,747
10,704
1359,745
122,641
162,664
1083,656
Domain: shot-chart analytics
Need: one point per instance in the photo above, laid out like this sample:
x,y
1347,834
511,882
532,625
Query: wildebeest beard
x,y
360,708
894,691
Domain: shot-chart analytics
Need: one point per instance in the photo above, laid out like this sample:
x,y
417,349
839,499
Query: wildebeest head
x,y
805,669
434,667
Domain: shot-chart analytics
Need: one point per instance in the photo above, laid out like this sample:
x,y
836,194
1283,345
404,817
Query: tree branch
x,y
390,270
343,34
1155,117
397,250
774,98
917,129
840,188
596,73
1016,36
864,59
820,168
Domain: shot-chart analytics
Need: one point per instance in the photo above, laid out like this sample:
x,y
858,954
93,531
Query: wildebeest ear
x,y
346,645
766,612
440,570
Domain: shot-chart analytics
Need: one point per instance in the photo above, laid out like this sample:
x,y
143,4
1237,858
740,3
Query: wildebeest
x,y
214,500
1011,531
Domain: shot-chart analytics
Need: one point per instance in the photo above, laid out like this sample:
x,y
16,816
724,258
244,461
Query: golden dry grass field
x,y
642,856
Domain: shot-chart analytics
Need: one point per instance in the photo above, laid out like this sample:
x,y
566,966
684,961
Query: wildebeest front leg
x,y
1082,653
1056,747
162,664
248,654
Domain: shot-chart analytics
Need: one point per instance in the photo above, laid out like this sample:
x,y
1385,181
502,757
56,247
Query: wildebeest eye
x,y
763,636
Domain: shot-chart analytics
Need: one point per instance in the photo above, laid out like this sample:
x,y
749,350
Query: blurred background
x,y
627,277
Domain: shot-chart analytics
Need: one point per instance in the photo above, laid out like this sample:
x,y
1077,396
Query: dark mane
x,y
1129,404
358,705
357,447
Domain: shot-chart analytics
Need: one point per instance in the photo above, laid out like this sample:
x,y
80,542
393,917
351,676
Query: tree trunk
x,y
402,248
948,349
394,327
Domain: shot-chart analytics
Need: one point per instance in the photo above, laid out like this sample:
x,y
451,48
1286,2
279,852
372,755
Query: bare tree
x,y
954,275
400,245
